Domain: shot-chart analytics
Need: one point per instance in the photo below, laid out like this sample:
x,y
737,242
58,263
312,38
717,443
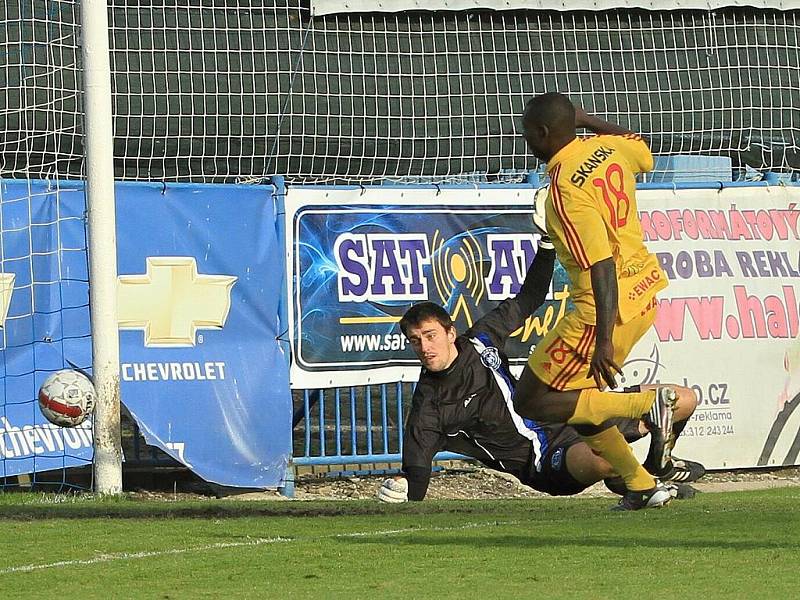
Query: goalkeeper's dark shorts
x,y
554,478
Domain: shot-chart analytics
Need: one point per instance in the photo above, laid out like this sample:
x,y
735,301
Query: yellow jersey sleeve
x,y
580,224
635,150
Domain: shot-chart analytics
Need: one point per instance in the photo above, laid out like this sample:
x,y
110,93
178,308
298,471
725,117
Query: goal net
x,y
235,90
44,303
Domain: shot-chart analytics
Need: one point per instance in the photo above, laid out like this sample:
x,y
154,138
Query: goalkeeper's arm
x,y
412,487
413,484
422,440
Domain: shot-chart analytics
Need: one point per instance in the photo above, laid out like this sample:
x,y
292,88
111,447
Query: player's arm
x,y
597,125
536,285
604,288
511,313
422,440
633,145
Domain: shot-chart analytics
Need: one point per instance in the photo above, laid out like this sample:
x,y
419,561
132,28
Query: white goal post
x,y
102,245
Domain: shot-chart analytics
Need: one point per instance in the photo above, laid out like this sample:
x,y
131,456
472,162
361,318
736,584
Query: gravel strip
x,y
472,482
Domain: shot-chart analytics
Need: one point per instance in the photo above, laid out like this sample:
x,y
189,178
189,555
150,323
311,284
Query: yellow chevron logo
x,y
171,301
6,289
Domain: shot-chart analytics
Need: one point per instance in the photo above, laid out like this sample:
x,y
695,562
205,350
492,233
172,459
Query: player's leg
x,y
678,470
681,472
609,443
586,466
685,404
554,386
569,466
659,420
674,470
587,409
633,430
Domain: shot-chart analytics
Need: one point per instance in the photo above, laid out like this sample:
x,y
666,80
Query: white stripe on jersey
x,y
508,393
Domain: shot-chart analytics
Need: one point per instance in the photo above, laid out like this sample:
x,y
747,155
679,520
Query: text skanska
x,y
582,173
173,371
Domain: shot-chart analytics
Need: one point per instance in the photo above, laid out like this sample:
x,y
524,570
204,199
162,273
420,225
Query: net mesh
x,y
44,295
227,90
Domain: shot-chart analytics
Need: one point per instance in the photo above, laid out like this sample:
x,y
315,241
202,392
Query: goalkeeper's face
x,y
434,345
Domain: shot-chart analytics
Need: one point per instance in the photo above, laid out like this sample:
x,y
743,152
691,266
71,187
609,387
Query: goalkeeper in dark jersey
x,y
463,403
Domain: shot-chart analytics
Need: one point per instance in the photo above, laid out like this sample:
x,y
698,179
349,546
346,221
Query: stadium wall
x,y
234,91
213,392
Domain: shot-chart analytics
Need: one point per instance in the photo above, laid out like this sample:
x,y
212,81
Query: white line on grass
x,y
415,529
104,558
136,555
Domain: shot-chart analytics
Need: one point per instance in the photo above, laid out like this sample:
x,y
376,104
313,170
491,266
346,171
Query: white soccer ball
x,y
66,398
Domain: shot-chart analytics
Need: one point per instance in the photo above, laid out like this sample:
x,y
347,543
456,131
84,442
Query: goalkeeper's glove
x,y
539,221
393,490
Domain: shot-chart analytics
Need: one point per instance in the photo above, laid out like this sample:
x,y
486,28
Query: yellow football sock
x,y
595,406
611,445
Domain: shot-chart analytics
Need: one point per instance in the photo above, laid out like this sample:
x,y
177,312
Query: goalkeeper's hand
x,y
394,490
539,221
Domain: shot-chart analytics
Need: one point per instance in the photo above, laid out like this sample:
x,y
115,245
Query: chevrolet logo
x,y
6,289
171,301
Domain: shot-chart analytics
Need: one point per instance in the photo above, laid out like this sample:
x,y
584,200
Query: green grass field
x,y
732,545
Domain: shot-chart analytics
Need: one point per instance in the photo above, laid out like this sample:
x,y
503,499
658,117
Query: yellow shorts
x,y
561,358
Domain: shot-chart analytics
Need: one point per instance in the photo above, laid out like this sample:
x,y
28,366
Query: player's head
x,y
432,334
548,124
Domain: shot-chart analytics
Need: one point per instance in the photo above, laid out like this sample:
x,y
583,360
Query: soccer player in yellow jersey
x,y
593,221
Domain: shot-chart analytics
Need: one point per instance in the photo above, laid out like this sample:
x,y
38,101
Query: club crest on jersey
x,y
557,459
490,358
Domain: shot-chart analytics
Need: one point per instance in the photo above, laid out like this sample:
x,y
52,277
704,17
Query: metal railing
x,y
352,425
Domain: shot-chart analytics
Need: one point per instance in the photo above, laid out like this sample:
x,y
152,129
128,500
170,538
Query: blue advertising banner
x,y
44,313
202,371
361,257
201,368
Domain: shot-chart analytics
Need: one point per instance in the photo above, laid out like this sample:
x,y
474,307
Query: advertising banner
x,y
727,324
359,259
201,367
200,282
44,314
